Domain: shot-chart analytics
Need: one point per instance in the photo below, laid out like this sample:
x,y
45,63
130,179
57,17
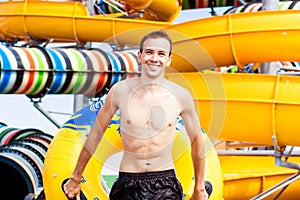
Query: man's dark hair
x,y
154,35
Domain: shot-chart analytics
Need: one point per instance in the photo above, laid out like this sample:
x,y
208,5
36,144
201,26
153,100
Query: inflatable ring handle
x,y
81,195
208,187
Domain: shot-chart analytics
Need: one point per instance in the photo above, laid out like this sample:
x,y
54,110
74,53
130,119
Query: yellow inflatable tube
x,y
64,149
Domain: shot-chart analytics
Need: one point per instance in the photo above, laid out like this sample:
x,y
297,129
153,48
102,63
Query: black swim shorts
x,y
162,185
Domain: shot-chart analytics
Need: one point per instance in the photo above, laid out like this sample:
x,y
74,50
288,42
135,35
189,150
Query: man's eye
x,y
148,52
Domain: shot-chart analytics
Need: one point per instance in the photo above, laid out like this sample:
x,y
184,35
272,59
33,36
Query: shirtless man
x,y
149,107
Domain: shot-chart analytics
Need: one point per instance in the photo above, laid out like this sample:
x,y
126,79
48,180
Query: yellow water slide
x,y
216,41
246,107
247,176
157,10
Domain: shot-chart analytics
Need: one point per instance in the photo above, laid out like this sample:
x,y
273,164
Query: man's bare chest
x,y
150,112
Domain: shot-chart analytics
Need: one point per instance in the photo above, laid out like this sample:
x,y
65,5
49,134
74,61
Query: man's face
x,y
155,56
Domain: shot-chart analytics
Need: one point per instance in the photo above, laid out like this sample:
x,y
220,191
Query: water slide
x,y
22,154
38,71
233,35
240,107
220,97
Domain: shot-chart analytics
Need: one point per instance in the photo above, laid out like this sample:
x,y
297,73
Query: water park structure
x,y
254,110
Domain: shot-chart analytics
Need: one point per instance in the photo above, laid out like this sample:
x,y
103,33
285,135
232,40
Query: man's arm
x,y
72,187
193,128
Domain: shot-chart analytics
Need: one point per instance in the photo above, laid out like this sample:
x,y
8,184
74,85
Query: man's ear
x,y
169,61
139,56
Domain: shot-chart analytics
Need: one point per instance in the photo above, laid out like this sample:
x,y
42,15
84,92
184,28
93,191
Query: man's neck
x,y
151,86
145,79
152,83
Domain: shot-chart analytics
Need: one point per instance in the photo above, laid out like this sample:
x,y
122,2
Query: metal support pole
x,y
80,101
270,4
45,113
90,6
269,67
278,153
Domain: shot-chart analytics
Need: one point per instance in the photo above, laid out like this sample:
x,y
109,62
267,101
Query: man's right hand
x,y
71,189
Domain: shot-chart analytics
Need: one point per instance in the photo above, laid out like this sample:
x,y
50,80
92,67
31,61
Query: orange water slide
x,y
212,42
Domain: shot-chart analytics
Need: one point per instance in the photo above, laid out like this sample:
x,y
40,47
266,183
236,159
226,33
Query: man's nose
x,y
154,57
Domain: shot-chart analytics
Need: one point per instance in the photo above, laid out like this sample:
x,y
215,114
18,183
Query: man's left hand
x,y
200,195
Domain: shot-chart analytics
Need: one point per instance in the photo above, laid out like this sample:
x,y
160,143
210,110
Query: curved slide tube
x,y
247,176
246,107
22,153
157,10
38,71
234,35
63,152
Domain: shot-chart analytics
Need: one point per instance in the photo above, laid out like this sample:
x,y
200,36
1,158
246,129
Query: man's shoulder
x,y
124,84
127,82
178,89
183,94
